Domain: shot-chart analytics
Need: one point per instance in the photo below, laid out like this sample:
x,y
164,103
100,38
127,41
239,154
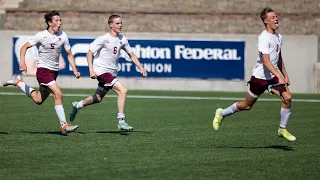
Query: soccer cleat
x,y
124,127
284,133
74,111
68,128
217,119
13,81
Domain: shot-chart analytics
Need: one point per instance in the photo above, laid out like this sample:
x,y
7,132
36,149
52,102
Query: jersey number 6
x,y
115,50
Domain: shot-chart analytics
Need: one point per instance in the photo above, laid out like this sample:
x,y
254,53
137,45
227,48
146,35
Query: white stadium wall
x,y
300,55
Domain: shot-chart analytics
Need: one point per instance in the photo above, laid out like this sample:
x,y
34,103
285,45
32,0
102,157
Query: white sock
x,y
230,110
121,118
25,88
80,105
285,115
61,114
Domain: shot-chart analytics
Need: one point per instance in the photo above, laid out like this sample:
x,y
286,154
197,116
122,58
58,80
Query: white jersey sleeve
x,y
98,44
126,46
36,40
263,44
66,43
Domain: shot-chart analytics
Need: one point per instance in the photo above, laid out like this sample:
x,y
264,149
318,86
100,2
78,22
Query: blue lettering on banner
x,y
160,58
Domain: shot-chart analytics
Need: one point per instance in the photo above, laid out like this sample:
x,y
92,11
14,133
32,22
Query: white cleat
x,y
65,129
13,81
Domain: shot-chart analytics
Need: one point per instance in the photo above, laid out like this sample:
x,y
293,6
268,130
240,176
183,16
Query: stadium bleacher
x,y
179,16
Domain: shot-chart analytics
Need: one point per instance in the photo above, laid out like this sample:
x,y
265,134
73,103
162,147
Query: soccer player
x,y
49,44
266,76
106,51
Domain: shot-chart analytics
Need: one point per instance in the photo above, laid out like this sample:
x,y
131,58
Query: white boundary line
x,y
176,97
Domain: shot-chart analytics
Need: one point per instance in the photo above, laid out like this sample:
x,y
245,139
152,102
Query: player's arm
x,y
93,74
72,63
23,51
138,64
134,58
283,69
70,56
267,63
94,47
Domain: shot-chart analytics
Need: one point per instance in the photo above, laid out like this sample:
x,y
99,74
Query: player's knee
x,y
58,95
123,92
287,98
96,98
37,98
38,102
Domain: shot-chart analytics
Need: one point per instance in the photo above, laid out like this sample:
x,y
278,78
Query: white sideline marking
x,y
176,97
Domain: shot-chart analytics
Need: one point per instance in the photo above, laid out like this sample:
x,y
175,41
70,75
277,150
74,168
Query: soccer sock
x,y
230,110
25,88
285,115
121,118
80,105
61,114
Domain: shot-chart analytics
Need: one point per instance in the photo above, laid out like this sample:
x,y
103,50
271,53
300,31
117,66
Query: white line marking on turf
x,y
176,97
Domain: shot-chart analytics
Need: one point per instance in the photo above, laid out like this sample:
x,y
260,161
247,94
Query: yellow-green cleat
x,y
217,119
284,133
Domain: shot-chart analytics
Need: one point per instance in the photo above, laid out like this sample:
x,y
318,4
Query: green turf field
x,y
173,139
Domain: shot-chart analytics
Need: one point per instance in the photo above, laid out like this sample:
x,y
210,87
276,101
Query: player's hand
x,y
282,81
143,72
287,81
93,74
77,74
23,67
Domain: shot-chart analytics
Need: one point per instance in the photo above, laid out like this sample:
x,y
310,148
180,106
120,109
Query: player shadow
x,y
280,147
4,133
79,132
54,132
120,132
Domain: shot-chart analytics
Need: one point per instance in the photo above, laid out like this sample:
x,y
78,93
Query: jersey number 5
x,y
115,50
52,46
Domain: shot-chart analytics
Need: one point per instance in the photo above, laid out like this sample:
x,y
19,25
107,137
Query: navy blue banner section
x,y
160,58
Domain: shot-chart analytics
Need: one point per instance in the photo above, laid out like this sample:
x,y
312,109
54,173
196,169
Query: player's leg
x,y
235,107
64,126
37,96
17,80
96,98
122,91
256,88
40,96
284,94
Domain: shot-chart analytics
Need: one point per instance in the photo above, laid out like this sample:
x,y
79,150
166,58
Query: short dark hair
x,y
112,17
264,12
49,15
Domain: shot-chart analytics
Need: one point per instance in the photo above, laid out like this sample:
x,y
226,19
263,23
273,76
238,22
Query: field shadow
x,y
280,147
4,133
